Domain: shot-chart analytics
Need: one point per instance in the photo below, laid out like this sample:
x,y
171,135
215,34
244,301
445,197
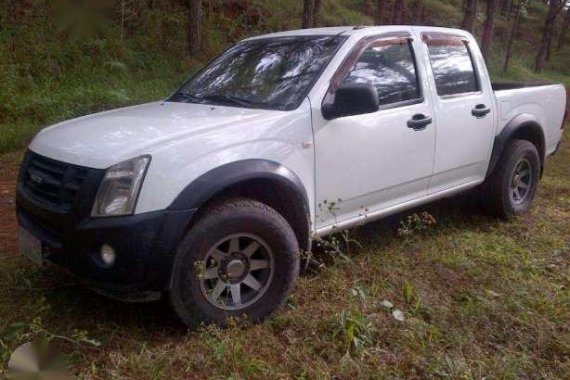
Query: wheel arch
x,y
263,180
524,127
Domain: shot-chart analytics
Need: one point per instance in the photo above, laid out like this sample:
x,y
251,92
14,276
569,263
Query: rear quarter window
x,y
452,66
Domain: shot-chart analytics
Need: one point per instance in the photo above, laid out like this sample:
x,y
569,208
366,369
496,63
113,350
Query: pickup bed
x,y
210,196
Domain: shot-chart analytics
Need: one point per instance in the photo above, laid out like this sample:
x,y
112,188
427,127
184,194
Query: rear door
x,y
370,162
464,109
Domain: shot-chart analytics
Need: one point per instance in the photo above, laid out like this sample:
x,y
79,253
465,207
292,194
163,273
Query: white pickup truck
x,y
209,197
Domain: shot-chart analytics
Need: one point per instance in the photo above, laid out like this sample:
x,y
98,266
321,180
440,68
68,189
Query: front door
x,y
370,162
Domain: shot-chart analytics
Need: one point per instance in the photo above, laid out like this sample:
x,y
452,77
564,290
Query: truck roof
x,y
361,30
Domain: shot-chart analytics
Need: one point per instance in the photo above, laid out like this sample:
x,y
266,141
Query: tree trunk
x,y
308,14
398,13
418,13
470,18
549,47
194,26
505,7
489,28
547,33
565,27
380,12
122,22
316,12
368,7
513,34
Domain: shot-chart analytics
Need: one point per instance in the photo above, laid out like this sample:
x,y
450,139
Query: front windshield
x,y
273,73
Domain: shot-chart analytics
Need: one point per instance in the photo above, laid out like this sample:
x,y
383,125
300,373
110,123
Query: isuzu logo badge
x,y
36,178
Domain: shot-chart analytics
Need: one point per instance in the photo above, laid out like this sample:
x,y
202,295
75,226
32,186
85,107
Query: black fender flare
x,y
524,122
216,180
225,177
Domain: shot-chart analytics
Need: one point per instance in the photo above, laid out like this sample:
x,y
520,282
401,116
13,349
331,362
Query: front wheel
x,y
511,188
240,259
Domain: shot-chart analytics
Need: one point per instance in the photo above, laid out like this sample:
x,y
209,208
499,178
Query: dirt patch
x,y
9,165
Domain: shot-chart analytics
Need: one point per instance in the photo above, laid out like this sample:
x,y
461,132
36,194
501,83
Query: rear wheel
x,y
511,188
240,259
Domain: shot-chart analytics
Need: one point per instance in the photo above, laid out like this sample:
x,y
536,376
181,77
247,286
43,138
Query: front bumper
x,y
145,244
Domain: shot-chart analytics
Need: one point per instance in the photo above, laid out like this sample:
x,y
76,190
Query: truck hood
x,y
103,139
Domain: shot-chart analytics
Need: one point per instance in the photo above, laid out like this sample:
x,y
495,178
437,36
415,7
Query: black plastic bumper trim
x,y
145,246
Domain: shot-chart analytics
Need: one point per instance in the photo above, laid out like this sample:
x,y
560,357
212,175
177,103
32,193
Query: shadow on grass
x,y
460,212
69,304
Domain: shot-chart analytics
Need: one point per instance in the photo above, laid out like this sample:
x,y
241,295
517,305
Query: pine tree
x,y
470,17
195,16
489,28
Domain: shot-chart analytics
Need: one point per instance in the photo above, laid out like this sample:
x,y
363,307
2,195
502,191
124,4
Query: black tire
x,y
231,218
498,193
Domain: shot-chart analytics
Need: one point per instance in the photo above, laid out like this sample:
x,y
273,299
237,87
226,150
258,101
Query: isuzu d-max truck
x,y
208,197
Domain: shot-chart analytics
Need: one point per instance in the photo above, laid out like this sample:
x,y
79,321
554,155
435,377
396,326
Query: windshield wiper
x,y
181,96
229,99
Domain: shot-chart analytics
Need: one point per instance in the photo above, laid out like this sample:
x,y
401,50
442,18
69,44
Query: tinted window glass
x,y
265,73
390,67
452,67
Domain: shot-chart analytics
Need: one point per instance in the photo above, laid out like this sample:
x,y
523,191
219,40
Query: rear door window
x,y
452,65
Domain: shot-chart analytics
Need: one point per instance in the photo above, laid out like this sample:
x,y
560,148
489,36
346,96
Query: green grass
x,y
481,299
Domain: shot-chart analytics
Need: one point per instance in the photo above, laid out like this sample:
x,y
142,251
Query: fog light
x,y
108,255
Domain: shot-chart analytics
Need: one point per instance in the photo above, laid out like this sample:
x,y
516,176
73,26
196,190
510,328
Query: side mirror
x,y
352,99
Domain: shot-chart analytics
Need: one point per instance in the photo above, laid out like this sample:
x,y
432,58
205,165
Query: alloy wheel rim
x,y
520,182
238,271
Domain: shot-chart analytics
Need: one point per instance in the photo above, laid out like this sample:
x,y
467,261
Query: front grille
x,y
51,182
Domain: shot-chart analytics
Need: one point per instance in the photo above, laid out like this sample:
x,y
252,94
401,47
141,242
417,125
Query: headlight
x,y
119,190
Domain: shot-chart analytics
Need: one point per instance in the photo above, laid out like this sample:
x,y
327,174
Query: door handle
x,y
419,122
480,111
